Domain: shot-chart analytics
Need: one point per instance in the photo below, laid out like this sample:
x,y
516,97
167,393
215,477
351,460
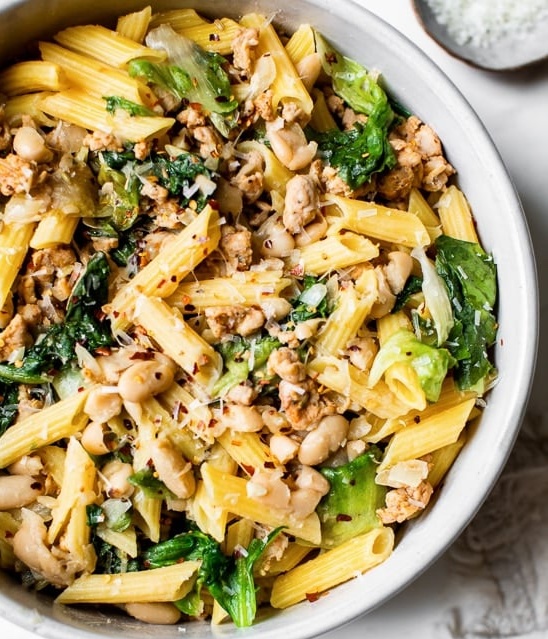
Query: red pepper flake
x,y
36,485
214,37
417,419
161,283
343,517
248,469
144,355
312,596
269,464
8,534
116,314
195,368
103,350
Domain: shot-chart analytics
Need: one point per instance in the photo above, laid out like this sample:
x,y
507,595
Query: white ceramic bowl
x,y
416,82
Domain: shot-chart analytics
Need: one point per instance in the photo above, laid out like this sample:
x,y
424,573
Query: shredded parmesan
x,y
484,23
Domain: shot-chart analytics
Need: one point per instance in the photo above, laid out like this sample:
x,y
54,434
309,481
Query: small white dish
x,y
510,52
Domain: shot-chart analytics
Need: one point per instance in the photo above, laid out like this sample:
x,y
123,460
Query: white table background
x,y
451,600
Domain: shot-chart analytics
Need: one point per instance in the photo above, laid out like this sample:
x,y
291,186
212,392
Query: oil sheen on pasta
x,y
245,317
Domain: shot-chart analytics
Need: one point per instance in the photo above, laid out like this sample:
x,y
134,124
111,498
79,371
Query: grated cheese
x,y
483,23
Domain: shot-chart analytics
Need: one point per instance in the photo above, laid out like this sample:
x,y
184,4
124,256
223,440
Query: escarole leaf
x,y
55,348
436,295
431,364
190,72
471,279
229,579
351,81
363,150
350,507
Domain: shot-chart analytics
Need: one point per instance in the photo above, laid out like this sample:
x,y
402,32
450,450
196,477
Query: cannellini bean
x,y
172,468
308,477
102,405
30,145
327,438
162,613
276,308
361,352
312,232
279,242
275,421
27,465
29,545
143,379
309,69
93,439
244,419
283,447
289,144
115,474
19,490
398,270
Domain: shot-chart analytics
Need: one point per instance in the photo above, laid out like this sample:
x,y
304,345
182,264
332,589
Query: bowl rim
x,y
325,619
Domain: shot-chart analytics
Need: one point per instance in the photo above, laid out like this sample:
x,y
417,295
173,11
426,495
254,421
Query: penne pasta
x,y
332,567
455,215
380,222
88,111
162,276
287,86
109,47
135,25
63,419
95,77
230,493
33,76
171,583
14,243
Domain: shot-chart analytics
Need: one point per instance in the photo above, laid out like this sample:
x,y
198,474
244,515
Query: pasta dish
x,y
245,317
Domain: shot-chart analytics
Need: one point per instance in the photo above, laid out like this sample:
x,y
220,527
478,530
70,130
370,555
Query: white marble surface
x,y
485,585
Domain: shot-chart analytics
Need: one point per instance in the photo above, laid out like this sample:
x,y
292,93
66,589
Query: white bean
x,y
283,447
101,406
245,419
172,468
27,465
163,613
116,474
143,379
327,438
30,145
398,270
19,490
93,439
312,232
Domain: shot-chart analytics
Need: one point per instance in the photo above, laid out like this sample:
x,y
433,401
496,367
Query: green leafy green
x,y
242,357
471,277
115,102
120,202
111,560
228,579
9,403
55,348
178,175
349,508
190,72
431,364
149,484
168,76
311,303
412,286
359,152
